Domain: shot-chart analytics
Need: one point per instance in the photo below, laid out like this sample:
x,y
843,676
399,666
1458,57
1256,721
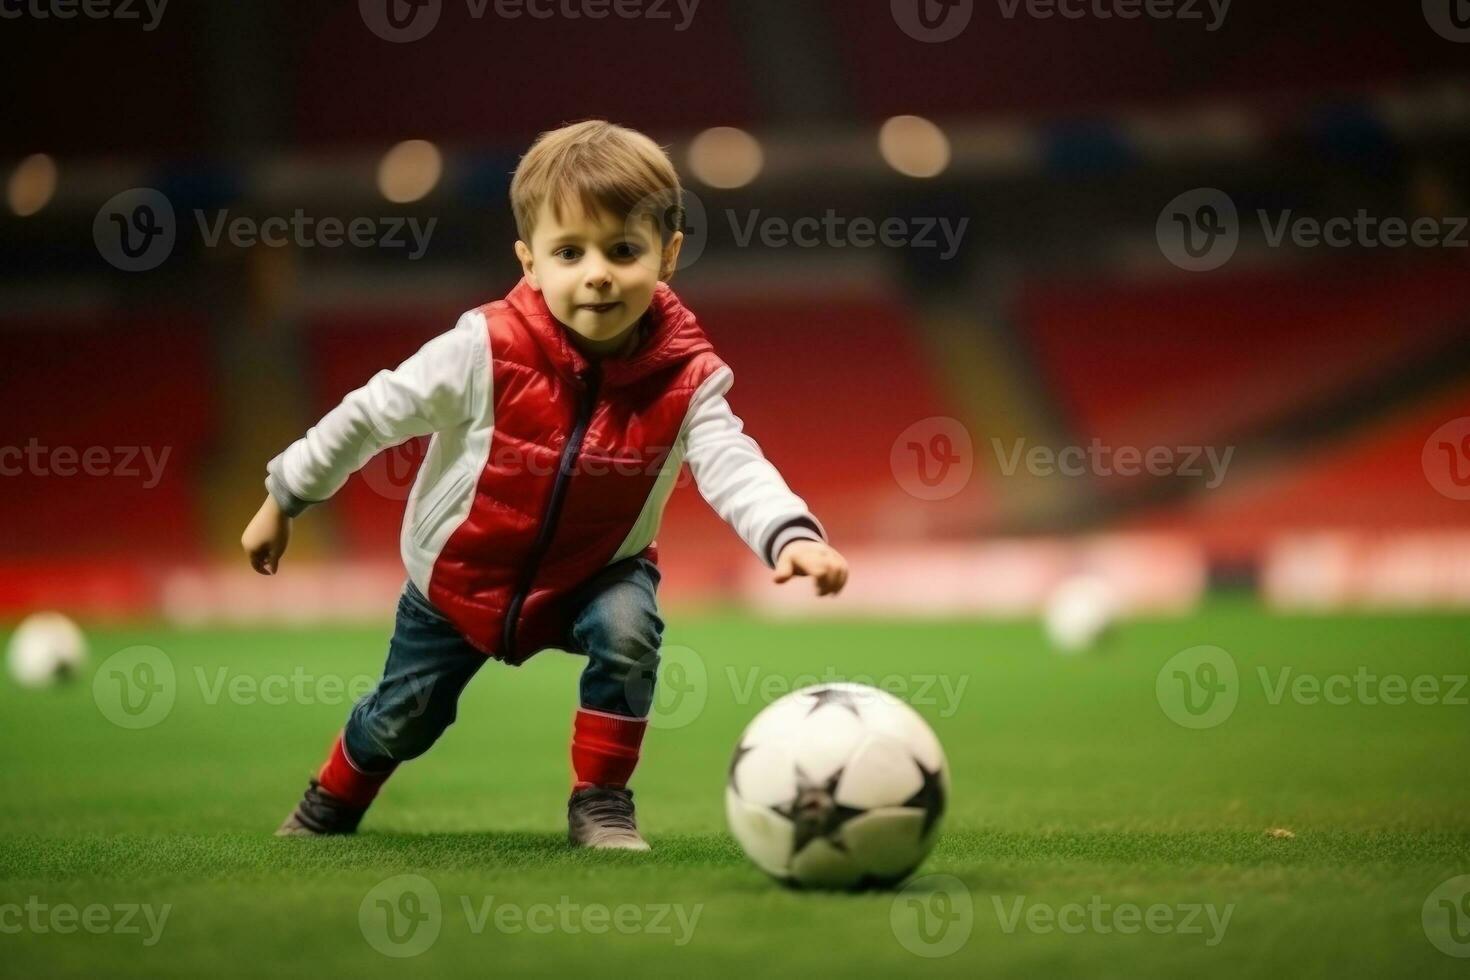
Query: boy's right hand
x,y
266,537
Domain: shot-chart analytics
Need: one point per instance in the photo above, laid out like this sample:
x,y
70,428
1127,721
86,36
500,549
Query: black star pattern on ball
x,y
741,751
835,696
815,813
929,798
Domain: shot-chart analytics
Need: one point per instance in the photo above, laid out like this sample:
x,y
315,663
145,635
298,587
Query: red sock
x,y
605,748
343,779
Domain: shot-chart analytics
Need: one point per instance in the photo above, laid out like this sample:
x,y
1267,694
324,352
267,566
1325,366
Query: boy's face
x,y
596,271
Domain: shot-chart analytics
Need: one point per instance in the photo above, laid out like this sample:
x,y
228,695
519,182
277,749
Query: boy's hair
x,y
601,166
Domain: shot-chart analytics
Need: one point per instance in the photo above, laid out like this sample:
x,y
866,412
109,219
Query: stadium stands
x,y
134,393
1017,64
500,81
1192,358
1374,481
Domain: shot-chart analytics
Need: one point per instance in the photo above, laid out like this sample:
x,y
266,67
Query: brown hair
x,y
602,166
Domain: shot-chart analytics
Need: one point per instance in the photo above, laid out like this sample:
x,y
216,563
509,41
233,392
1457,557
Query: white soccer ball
x,y
1079,611
837,786
45,648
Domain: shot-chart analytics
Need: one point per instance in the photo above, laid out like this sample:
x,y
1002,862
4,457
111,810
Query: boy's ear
x,y
528,264
670,262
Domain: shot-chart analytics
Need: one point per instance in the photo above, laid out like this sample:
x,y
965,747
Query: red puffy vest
x,y
576,448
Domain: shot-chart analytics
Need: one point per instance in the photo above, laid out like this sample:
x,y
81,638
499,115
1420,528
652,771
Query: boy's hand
x,y
266,536
821,561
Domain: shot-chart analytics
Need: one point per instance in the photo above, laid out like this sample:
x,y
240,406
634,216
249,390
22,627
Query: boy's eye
x,y
626,250
567,254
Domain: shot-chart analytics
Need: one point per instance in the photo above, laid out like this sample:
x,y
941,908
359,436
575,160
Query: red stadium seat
x,y
1373,480
1200,358
118,387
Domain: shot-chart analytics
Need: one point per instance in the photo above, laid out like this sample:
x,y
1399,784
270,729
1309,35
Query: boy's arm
x,y
434,389
749,494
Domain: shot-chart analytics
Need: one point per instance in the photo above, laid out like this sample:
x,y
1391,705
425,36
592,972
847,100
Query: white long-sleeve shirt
x,y
443,390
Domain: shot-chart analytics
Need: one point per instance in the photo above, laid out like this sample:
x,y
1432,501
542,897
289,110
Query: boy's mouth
x,y
600,307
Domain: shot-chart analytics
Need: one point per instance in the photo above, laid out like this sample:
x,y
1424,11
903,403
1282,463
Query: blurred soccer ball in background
x,y
837,786
1079,612
46,648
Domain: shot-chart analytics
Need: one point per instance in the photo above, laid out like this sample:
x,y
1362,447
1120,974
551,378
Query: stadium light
x,y
726,157
914,146
410,171
32,184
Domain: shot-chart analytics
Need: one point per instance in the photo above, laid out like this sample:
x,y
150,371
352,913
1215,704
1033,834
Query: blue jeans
x,y
616,625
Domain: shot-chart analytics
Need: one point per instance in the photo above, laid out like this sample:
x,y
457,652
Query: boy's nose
x,y
597,275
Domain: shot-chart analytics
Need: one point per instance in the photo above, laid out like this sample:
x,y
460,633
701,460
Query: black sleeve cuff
x,y
796,529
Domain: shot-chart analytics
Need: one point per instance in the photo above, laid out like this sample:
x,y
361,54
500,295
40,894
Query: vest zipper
x,y
587,401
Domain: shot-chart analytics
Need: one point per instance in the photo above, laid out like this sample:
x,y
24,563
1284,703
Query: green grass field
x,y
1071,787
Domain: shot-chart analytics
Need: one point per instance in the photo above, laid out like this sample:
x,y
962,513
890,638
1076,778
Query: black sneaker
x,y
320,813
601,817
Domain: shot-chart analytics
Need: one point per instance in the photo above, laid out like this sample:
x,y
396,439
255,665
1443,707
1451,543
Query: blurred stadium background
x,y
1087,282
1329,378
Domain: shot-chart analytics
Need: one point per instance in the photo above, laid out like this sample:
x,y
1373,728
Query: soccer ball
x,y
45,648
1079,611
837,786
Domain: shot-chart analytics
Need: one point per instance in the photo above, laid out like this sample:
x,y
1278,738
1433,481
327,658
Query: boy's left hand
x,y
821,561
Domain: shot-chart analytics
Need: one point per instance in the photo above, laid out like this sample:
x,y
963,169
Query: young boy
x,y
560,417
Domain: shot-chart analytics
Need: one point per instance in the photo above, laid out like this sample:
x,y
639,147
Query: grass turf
x,y
1074,795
